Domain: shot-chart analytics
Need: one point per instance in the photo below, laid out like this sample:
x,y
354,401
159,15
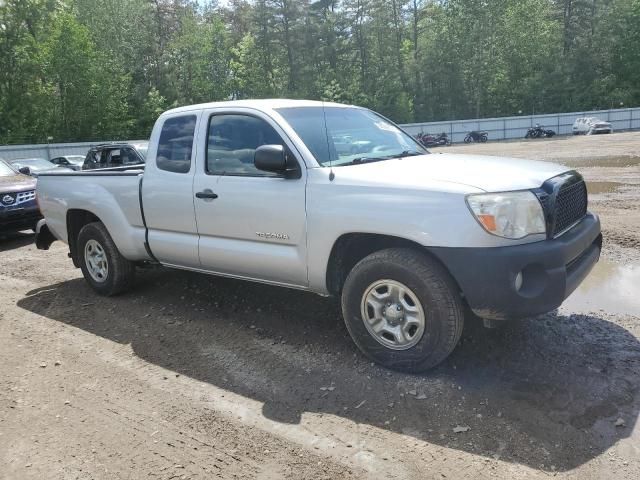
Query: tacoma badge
x,y
276,236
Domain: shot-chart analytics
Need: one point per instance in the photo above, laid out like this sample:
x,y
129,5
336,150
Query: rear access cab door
x,y
167,191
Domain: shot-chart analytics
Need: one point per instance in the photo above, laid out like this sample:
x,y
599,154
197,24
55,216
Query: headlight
x,y
510,214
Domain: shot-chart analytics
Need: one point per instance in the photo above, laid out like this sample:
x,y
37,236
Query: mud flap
x,y
44,237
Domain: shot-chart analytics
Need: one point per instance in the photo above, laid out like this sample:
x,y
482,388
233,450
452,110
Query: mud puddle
x,y
612,288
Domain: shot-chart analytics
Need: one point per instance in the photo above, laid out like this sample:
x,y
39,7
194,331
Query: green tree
x,y
84,69
250,78
88,88
199,57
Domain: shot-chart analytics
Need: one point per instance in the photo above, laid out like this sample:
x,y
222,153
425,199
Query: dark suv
x,y
115,155
18,208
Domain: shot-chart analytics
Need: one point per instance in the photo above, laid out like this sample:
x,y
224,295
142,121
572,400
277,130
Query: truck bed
x,y
112,194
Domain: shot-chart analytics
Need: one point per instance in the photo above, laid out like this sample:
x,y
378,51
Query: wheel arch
x,y
350,248
76,219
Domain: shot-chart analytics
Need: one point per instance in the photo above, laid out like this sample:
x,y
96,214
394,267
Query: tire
x,y
119,274
484,138
468,139
435,293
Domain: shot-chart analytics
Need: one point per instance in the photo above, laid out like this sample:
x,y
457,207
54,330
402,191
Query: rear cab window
x,y
114,157
176,144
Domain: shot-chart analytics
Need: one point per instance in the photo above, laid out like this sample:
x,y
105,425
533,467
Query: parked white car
x,y
591,126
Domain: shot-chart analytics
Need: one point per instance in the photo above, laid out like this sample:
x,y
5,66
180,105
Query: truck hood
x,y
16,183
491,174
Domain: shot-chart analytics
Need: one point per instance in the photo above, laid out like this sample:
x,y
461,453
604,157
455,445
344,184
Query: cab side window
x,y
92,160
114,157
176,144
232,143
129,157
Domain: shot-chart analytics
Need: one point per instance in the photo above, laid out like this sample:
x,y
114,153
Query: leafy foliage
x,y
94,69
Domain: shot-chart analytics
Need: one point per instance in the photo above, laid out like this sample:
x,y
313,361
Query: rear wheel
x,y
402,309
102,265
468,139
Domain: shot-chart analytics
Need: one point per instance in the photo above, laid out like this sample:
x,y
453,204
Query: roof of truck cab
x,y
263,104
135,143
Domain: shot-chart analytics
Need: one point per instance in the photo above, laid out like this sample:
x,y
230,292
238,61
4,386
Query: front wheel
x,y
468,139
102,265
402,309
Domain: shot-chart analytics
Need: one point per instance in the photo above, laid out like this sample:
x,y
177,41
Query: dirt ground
x,y
196,377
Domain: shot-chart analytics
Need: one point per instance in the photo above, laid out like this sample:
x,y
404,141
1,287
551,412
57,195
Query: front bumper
x,y
551,271
19,218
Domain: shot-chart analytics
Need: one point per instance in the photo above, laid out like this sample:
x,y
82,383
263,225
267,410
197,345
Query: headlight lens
x,y
511,215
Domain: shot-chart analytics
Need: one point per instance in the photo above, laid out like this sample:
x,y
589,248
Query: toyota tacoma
x,y
262,190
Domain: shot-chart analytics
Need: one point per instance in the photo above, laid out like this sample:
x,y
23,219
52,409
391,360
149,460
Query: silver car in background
x,y
591,126
73,162
36,166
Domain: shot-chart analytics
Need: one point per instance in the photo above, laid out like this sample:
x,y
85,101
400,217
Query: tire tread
x,y
443,289
121,271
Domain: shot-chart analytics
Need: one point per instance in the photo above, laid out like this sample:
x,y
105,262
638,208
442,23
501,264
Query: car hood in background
x,y
35,173
16,183
492,174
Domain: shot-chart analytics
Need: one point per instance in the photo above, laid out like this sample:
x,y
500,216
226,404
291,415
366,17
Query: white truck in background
x,y
270,191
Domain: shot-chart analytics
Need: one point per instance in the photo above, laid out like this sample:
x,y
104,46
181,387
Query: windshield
x,y
33,163
349,135
5,170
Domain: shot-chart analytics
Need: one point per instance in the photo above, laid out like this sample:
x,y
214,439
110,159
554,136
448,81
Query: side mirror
x,y
25,170
274,159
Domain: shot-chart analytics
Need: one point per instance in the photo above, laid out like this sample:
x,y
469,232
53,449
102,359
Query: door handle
x,y
207,195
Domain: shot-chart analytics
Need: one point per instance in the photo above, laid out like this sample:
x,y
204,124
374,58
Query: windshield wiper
x,y
359,160
407,153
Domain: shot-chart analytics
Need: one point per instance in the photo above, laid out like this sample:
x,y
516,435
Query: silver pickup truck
x,y
339,201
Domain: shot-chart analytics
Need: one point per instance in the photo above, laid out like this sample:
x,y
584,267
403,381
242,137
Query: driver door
x,y
251,224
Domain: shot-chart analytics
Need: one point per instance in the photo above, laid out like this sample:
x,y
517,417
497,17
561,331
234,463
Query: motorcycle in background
x,y
434,140
539,132
476,136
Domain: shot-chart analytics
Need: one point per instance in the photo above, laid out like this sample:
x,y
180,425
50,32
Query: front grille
x,y
570,206
11,199
26,196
